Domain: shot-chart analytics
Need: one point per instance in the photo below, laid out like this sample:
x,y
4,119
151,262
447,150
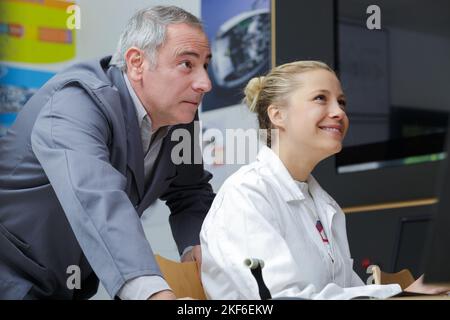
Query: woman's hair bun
x,y
252,91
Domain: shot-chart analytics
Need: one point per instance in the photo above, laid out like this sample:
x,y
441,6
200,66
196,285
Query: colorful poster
x,y
17,85
33,35
35,31
239,33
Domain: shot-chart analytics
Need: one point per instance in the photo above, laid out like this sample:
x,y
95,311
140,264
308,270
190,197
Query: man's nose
x,y
202,83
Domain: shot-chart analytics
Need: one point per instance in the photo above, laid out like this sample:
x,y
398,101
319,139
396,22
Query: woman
x,y
274,210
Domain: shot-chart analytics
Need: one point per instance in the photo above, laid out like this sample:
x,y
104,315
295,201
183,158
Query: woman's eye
x,y
320,98
342,103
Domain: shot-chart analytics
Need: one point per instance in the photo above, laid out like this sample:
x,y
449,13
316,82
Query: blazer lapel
x,y
135,154
159,172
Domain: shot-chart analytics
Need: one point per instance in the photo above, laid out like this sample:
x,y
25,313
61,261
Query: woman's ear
x,y
134,58
277,116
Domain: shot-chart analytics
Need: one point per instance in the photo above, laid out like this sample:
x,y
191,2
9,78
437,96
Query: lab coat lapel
x,y
326,205
275,170
290,192
293,196
317,191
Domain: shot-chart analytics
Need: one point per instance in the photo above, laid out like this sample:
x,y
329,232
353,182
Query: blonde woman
x,y
274,210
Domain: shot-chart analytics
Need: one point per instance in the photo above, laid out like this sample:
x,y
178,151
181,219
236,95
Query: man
x,y
90,151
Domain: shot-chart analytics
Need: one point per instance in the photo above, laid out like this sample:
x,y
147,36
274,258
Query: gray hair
x,y
146,30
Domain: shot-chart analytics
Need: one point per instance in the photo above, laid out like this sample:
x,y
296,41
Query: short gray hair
x,y
146,30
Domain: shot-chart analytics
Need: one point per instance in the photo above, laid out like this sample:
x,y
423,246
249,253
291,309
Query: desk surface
x,y
424,297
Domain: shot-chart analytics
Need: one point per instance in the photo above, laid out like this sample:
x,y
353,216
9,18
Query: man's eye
x,y
187,64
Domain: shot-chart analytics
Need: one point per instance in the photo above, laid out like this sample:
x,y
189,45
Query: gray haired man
x,y
90,151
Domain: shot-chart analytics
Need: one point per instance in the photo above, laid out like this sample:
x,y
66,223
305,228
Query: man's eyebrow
x,y
191,53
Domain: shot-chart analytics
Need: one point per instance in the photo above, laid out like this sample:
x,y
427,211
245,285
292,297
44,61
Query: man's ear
x,y
134,59
277,116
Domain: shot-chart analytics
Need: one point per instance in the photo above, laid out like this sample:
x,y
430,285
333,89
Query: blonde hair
x,y
275,88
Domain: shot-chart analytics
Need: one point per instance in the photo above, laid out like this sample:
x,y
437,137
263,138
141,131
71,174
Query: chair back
x,y
182,277
404,277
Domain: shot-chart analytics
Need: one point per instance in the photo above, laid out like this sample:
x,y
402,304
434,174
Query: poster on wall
x,y
33,37
17,85
239,34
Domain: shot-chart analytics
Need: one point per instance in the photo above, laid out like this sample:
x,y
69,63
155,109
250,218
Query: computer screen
x,y
437,254
390,77
410,245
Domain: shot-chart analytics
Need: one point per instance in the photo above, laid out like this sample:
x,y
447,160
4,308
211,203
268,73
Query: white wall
x,y
102,22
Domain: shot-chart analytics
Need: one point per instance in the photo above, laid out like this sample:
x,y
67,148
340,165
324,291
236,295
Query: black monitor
x,y
395,119
410,243
437,255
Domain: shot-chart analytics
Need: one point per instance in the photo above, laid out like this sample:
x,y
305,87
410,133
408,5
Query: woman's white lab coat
x,y
260,213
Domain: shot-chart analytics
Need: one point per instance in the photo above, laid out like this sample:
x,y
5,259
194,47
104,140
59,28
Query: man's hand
x,y
195,254
163,295
166,295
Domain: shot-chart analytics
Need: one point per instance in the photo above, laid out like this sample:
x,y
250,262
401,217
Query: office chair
x,y
255,266
182,277
404,277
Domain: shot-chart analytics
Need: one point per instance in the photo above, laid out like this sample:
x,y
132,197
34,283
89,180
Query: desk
x,y
424,297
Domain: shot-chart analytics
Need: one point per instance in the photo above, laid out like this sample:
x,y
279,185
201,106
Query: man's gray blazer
x,y
72,189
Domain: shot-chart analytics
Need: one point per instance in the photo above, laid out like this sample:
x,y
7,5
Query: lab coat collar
x,y
317,191
273,166
290,191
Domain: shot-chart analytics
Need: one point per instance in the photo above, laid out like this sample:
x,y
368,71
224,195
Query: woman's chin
x,y
333,148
